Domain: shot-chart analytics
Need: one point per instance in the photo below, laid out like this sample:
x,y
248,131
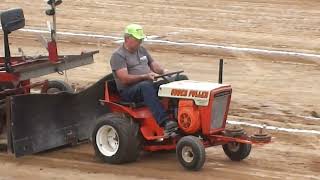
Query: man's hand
x,y
165,71
149,76
129,79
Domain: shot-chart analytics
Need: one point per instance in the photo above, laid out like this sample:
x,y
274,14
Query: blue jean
x,y
146,92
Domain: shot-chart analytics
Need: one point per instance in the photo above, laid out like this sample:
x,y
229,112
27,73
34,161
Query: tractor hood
x,y
188,89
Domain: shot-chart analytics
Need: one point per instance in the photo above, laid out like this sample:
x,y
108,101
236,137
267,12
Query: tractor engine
x,y
188,116
199,106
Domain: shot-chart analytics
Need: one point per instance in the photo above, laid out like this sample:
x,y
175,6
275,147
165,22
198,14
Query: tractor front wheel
x,y
237,151
116,139
191,153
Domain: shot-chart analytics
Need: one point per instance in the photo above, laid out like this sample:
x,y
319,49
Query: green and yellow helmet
x,y
135,30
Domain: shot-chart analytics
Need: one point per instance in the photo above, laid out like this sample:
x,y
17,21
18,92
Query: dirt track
x,y
279,91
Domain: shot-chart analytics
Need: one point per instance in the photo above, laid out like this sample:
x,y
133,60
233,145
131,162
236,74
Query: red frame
x,y
148,125
22,86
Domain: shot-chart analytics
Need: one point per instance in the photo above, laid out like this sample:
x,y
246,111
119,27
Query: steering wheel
x,y
168,75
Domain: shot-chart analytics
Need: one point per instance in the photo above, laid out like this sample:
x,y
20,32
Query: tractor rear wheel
x,y
237,151
191,153
56,86
116,139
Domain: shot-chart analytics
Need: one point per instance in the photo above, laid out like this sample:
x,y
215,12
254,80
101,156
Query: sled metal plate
x,y
42,66
40,122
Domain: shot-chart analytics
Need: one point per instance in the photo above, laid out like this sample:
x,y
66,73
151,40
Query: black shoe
x,y
170,125
170,129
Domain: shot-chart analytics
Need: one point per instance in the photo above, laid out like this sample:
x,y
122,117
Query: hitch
x,y
52,45
261,136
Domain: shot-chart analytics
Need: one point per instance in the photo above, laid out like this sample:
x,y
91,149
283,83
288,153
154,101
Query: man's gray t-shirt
x,y
137,63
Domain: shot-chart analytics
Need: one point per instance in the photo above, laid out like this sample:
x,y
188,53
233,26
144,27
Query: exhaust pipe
x,y
220,71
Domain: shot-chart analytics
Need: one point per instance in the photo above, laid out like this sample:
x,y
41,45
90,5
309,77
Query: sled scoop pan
x,y
39,122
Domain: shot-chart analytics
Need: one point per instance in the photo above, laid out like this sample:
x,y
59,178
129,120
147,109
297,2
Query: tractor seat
x,y
113,90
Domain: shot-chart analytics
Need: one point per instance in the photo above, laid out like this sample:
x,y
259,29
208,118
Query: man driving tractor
x,y
134,71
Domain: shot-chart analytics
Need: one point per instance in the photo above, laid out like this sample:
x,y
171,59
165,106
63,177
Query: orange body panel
x,y
188,116
205,113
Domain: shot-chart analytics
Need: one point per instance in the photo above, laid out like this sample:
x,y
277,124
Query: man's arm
x,y
129,79
156,67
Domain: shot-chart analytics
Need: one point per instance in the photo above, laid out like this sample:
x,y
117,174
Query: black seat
x,y
112,88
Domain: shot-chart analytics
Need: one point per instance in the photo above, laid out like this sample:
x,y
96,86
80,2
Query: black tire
x,y
128,136
237,151
56,86
235,132
195,159
4,86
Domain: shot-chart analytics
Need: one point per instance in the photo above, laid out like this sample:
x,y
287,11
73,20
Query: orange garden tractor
x,y
201,110
120,130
